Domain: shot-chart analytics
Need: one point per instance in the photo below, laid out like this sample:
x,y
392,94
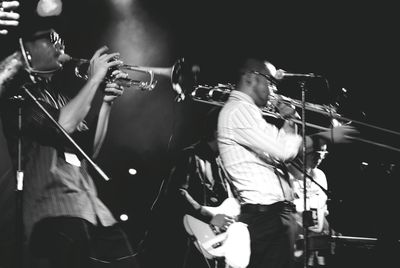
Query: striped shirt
x,y
249,147
52,186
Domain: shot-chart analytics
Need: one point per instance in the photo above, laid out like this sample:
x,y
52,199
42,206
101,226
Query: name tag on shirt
x,y
72,159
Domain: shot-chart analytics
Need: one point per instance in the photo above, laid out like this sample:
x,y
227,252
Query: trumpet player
x,y
66,224
254,153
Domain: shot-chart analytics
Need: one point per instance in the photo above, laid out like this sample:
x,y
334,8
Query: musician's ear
x,y
250,78
43,55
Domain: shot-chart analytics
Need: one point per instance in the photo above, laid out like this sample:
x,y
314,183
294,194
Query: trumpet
x,y
180,73
82,66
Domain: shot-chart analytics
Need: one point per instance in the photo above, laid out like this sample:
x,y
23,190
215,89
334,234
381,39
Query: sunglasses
x,y
321,154
56,40
271,80
51,35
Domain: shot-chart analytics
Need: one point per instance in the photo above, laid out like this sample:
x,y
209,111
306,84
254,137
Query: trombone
x,y
218,95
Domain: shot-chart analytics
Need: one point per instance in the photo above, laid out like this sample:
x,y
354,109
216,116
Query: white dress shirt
x,y
249,146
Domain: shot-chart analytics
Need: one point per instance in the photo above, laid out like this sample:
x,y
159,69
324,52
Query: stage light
x,y
122,3
363,166
123,217
47,8
132,171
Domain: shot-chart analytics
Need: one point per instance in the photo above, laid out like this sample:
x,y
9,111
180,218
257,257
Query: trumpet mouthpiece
x,y
63,58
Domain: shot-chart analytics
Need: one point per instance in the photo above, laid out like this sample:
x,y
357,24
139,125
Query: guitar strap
x,y
231,189
212,178
282,173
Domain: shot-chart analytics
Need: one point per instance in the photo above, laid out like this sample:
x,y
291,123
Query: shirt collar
x,y
238,95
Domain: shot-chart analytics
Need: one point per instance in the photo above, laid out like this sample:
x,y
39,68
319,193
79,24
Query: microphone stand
x,y
19,190
305,212
66,135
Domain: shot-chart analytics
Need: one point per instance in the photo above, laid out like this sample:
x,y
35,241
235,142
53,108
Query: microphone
x,y
281,74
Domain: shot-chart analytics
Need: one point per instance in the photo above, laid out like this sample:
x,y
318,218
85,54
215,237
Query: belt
x,y
278,206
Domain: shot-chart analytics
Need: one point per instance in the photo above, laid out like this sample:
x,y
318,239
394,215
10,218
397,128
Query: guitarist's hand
x,y
222,221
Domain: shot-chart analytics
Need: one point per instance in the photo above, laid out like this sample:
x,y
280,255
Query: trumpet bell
x,y
183,74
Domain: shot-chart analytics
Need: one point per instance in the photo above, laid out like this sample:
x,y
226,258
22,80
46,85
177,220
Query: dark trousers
x,y
272,234
76,243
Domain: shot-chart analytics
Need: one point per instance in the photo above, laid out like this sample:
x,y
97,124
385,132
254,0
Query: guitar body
x,y
209,240
316,203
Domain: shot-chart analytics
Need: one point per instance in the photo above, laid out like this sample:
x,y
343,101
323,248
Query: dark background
x,y
353,46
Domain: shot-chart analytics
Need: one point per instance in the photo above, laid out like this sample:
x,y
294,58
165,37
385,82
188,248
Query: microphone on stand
x,y
281,74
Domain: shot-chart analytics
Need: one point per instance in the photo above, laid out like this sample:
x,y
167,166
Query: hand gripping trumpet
x,y
82,66
181,74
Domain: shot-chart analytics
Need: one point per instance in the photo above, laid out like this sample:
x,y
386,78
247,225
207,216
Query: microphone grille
x,y
280,74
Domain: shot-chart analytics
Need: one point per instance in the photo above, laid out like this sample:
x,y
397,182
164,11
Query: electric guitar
x,y
209,239
316,201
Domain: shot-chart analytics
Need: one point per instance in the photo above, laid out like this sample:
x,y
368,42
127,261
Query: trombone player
x,y
66,224
254,153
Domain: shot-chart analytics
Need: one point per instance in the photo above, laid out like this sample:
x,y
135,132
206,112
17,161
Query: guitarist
x,y
316,199
196,180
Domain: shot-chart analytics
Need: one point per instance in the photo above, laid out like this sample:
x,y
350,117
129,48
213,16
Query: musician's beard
x,y
12,74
